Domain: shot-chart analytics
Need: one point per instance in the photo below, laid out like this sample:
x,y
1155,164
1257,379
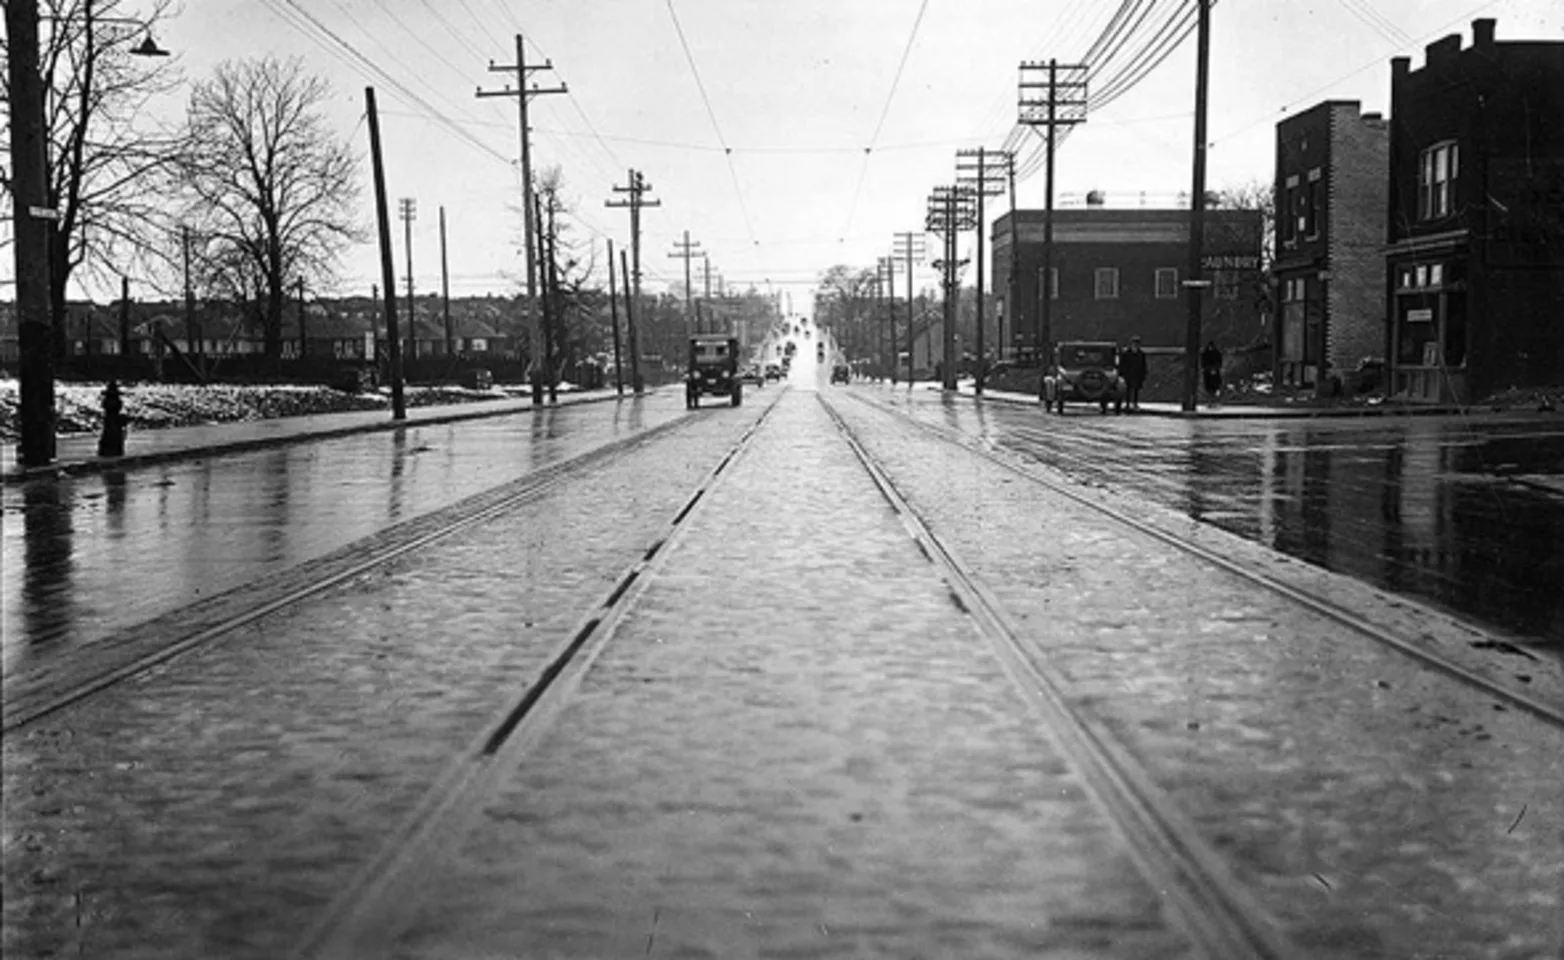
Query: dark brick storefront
x,y
1475,262
1119,273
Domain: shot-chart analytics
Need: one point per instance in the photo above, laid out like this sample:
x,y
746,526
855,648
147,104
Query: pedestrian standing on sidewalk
x,y
1211,368
112,441
1132,367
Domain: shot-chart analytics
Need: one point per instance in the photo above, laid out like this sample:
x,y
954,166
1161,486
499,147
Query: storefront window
x,y
1455,329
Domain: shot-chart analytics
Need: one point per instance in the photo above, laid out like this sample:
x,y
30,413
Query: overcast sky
x,y
768,171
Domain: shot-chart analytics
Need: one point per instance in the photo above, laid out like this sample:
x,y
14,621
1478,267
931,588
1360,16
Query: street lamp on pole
x,y
32,226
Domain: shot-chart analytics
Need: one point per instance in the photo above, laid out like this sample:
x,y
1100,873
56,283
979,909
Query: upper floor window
x,y
1437,169
1313,197
1107,283
1167,282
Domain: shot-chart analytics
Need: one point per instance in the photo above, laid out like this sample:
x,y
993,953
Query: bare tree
x,y
105,154
270,185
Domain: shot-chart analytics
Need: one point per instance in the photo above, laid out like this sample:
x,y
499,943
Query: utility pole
x,y
1194,283
1015,263
124,324
30,220
981,171
445,291
409,213
522,94
192,335
303,335
884,279
950,211
613,315
909,245
1064,105
387,270
636,187
635,362
553,315
686,251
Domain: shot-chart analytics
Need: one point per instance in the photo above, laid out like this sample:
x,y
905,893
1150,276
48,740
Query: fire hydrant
x,y
112,442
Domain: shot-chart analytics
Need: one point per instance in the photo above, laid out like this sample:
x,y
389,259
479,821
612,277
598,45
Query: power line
x,y
885,110
733,173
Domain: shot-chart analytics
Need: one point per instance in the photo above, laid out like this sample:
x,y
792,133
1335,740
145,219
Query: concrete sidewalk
x,y
78,453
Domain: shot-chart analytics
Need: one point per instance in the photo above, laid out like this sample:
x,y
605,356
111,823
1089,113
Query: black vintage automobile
x,y
714,370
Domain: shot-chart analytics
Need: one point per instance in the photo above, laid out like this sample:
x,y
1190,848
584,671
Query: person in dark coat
x,y
112,442
1211,368
1132,367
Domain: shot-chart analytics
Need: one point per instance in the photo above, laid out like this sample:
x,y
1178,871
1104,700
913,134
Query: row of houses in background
x,y
1432,240
486,331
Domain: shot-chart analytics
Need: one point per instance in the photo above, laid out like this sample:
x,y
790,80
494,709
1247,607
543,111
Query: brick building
x,y
1332,165
1119,273
1475,262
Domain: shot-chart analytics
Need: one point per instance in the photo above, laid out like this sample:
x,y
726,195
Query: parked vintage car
x,y
1086,372
841,373
713,370
773,371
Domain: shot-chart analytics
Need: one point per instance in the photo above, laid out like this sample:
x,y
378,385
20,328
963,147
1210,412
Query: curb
x,y
1242,412
103,464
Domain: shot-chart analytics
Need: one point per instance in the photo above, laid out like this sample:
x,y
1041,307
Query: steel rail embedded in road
x,y
20,711
1215,909
367,916
1317,604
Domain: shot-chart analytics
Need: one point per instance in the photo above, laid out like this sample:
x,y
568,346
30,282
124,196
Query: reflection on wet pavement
x,y
1466,514
86,556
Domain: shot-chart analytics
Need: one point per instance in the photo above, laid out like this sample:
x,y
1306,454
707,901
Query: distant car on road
x,y
773,371
841,373
752,374
713,370
1087,372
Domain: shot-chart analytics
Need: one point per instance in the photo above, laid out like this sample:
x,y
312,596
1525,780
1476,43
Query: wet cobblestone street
x,y
791,738
795,746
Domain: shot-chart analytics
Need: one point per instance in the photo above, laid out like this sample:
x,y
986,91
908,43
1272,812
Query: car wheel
x,y
738,394
1105,406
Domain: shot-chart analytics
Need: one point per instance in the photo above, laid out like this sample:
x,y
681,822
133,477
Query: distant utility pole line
x,y
445,292
907,246
885,285
983,172
1051,95
408,208
636,187
951,210
523,93
686,251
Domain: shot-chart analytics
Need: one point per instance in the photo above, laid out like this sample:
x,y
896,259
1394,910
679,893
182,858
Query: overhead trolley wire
x,y
712,114
333,43
874,138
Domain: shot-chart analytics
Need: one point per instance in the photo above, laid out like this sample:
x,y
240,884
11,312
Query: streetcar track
x,y
367,916
533,486
1546,712
1218,913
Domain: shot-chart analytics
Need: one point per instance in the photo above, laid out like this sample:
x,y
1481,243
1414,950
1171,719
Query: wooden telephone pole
x,y
522,94
1064,105
983,172
636,187
687,251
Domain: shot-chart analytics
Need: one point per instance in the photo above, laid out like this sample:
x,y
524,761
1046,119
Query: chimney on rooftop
x,y
1482,32
1442,50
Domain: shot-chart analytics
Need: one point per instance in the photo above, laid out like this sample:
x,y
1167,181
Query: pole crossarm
x,y
983,171
1052,94
951,208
